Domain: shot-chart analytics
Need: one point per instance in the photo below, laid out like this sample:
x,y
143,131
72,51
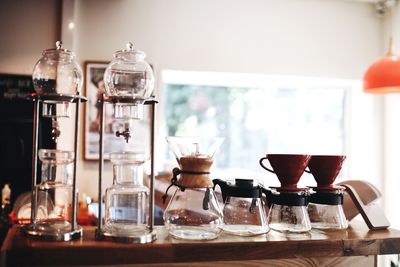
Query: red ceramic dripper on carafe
x,y
288,203
325,169
325,207
288,168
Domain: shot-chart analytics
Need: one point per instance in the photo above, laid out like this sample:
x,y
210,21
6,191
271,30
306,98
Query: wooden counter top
x,y
18,250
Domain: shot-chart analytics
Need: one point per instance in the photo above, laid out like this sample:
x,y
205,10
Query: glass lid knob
x,y
59,45
129,46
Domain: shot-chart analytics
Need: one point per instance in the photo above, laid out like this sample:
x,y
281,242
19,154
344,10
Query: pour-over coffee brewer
x,y
193,211
129,205
326,203
288,203
244,212
57,79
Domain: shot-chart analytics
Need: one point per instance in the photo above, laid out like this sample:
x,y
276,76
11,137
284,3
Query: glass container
x,y
54,193
326,203
57,78
126,201
193,211
188,217
129,76
288,211
326,209
244,213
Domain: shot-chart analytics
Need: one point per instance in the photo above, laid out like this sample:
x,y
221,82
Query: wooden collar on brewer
x,y
188,179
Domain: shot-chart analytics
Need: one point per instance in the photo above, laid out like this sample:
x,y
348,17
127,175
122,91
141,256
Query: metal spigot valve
x,y
126,134
55,131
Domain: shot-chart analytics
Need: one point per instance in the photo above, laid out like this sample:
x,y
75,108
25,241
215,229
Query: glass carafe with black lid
x,y
244,212
326,209
193,211
288,210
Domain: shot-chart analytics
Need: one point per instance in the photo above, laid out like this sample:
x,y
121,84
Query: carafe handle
x,y
222,185
262,165
268,194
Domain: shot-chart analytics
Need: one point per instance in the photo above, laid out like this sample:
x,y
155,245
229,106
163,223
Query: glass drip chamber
x,y
57,77
288,211
126,201
52,214
326,209
193,212
244,213
129,77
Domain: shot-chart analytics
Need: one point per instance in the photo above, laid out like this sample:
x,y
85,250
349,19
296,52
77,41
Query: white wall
x,y
392,128
26,29
308,37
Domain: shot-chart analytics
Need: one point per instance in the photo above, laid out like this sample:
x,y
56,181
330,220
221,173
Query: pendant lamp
x,y
383,76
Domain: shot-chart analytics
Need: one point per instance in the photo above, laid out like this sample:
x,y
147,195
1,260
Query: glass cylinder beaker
x,y
126,201
53,196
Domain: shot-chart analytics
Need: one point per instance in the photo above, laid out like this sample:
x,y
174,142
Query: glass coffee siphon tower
x,y
129,205
57,79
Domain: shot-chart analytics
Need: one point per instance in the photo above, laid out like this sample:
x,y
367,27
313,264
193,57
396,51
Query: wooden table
x,y
356,246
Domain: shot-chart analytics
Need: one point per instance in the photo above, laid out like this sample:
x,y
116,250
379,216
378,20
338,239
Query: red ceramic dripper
x,y
325,169
288,168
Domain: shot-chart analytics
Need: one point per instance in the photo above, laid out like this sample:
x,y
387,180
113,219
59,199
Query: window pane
x,y
258,120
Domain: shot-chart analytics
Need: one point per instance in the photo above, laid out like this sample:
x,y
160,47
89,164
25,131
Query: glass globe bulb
x,y
129,76
57,74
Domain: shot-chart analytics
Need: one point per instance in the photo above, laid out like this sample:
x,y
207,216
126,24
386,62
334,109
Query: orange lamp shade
x,y
383,76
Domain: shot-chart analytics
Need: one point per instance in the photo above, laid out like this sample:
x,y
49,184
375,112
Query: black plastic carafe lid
x,y
286,199
241,188
327,198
